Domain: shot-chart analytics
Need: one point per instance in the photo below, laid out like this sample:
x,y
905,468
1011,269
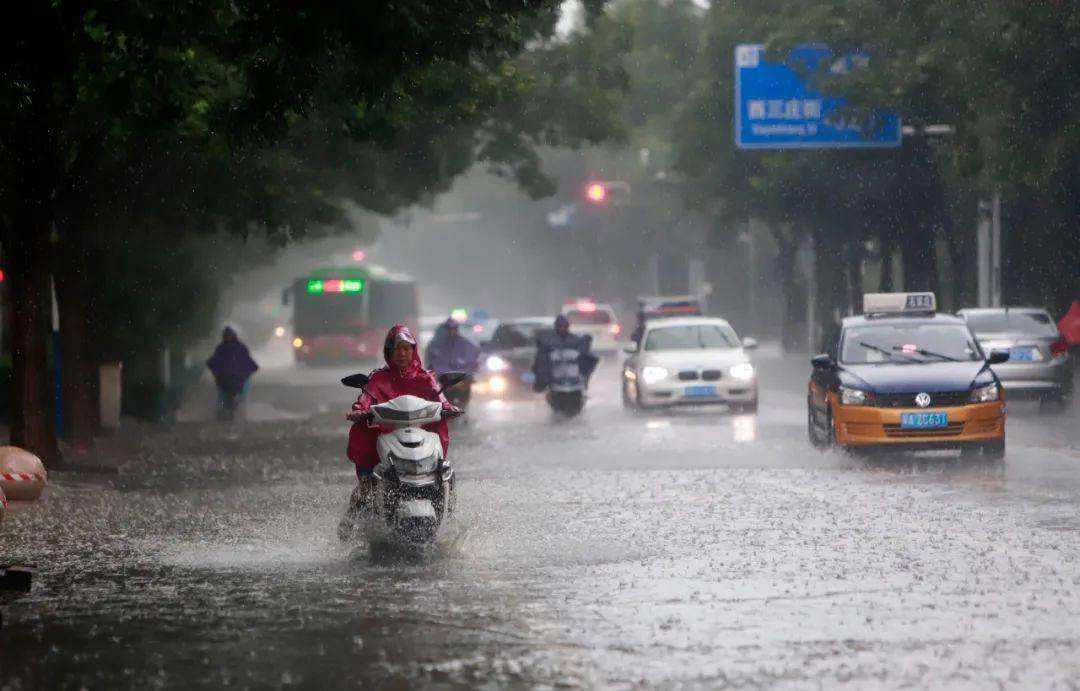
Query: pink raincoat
x,y
388,383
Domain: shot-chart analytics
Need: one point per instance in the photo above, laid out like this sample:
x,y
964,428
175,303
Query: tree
x,y
102,100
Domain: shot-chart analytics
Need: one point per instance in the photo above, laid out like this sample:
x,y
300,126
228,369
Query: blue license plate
x,y
924,420
1022,354
693,391
528,377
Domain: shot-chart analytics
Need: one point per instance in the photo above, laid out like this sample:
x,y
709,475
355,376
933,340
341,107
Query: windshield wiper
x,y
886,352
928,353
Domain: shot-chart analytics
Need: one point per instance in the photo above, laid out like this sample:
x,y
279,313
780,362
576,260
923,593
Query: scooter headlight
x,y
652,375
423,466
496,363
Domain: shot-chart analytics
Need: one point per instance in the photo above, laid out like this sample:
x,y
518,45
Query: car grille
x,y
944,399
707,375
896,431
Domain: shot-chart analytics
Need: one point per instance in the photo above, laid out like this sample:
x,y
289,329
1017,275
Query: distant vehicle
x,y
506,367
690,361
902,376
1039,366
596,320
659,306
342,314
479,326
476,324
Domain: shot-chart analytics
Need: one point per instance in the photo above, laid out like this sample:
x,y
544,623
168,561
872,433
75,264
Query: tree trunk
x,y
854,273
794,308
33,404
916,256
80,403
887,282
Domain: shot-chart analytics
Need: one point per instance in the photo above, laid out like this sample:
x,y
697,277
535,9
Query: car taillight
x,y
1059,348
616,329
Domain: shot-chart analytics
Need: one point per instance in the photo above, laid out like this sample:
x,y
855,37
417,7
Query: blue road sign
x,y
776,109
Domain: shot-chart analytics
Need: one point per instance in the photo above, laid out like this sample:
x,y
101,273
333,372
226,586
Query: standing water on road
x,y
618,549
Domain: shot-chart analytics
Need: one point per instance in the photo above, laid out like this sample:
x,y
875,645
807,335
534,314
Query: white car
x,y
690,361
597,320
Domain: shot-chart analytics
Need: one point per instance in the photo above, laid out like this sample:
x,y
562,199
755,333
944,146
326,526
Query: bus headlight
x,y
652,375
743,371
298,342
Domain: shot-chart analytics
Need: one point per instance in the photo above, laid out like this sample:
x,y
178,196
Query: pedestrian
x,y
232,367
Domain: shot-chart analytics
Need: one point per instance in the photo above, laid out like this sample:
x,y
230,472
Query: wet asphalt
x,y
692,549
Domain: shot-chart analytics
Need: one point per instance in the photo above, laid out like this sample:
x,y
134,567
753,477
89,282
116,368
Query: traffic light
x,y
596,192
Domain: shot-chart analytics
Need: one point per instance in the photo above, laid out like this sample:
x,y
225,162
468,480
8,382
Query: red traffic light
x,y
596,192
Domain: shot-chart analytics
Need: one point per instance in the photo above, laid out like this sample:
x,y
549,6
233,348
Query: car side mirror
x,y
749,343
630,350
822,361
997,357
356,381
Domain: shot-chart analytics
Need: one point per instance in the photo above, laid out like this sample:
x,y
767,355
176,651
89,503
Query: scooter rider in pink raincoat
x,y
403,375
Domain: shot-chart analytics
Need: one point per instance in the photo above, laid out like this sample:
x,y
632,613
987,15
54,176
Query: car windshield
x,y
1035,323
908,343
596,316
691,337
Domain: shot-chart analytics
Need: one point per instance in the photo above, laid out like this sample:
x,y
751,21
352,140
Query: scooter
x,y
414,483
566,390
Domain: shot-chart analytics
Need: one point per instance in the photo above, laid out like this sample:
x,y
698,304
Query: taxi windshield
x,y
908,343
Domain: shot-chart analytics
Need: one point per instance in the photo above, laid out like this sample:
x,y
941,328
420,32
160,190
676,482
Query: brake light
x,y
1059,348
616,329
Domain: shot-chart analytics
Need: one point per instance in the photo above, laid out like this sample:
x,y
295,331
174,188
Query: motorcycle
x,y
567,383
414,482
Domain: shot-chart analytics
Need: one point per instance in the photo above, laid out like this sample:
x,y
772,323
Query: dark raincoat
x,y
231,363
388,383
587,361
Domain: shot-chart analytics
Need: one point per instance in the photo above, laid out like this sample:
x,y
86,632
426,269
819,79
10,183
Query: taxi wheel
x,y
819,439
994,451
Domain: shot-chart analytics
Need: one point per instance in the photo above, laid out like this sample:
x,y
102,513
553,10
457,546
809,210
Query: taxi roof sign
x,y
899,303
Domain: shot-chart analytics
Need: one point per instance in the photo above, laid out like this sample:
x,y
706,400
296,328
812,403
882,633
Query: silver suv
x,y
1039,365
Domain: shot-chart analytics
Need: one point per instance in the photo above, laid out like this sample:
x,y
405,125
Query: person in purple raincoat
x,y
232,367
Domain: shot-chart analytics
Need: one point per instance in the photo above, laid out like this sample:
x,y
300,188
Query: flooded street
x,y
690,549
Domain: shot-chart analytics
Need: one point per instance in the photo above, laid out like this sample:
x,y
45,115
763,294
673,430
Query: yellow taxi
x,y
902,376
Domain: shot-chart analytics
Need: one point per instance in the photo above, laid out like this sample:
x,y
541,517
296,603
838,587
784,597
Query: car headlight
x,y
742,371
849,396
494,363
985,394
651,375
497,384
